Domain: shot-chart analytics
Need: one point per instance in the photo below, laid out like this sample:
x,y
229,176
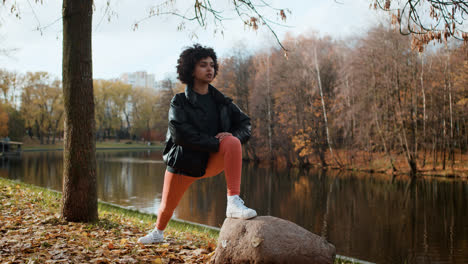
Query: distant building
x,y
139,79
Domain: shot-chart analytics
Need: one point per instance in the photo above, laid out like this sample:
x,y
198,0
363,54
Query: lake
x,y
377,218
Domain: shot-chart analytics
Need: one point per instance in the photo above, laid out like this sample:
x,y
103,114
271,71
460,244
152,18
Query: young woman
x,y
204,138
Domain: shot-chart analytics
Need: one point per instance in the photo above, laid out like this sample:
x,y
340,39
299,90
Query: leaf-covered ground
x,y
31,231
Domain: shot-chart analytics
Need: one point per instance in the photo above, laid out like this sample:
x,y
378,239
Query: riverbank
x,y
379,162
351,160
34,145
32,232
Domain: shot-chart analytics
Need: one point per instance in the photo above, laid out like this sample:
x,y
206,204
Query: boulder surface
x,y
267,239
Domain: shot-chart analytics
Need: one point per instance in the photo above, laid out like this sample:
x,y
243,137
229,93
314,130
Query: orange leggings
x,y
228,158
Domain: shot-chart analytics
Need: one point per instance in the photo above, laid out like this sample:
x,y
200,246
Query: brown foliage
x,y
3,121
381,98
33,232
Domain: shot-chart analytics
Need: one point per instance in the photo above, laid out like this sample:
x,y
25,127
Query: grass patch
x,y
145,219
99,145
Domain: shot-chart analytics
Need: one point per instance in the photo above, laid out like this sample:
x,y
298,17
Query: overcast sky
x,y
156,44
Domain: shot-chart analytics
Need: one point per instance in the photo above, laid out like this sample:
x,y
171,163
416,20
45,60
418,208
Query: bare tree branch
x,y
203,10
428,20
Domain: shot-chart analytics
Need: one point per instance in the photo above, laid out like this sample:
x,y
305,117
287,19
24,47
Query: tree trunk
x,y
56,127
79,202
39,132
445,140
452,143
127,118
434,152
317,68
424,111
55,132
379,130
48,135
269,112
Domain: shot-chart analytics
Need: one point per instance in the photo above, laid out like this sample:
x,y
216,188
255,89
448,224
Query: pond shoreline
x,y
458,173
378,163
101,148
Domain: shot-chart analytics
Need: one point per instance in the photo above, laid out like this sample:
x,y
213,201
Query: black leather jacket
x,y
188,147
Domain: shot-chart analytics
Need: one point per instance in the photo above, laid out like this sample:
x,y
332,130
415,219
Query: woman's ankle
x,y
158,231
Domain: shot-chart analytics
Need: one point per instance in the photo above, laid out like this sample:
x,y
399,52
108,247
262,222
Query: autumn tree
x,y
235,77
42,105
386,99
3,121
167,89
16,127
107,117
55,109
144,113
10,83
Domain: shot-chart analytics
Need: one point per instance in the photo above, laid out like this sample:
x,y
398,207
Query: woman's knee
x,y
231,141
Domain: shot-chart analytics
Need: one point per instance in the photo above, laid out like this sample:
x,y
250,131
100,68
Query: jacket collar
x,y
219,97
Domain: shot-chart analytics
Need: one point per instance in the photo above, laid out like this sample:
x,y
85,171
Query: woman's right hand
x,y
222,135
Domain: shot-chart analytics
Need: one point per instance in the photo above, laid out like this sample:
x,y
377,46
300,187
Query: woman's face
x,y
204,70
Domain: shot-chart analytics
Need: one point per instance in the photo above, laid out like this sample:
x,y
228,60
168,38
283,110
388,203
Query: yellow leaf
x,y
157,261
256,241
123,241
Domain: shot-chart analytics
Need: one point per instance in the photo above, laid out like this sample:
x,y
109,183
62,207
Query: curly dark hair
x,y
189,58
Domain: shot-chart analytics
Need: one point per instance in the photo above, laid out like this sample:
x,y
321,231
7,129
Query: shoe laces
x,y
239,203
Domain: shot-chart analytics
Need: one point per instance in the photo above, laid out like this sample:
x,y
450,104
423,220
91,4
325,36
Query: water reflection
x,y
372,217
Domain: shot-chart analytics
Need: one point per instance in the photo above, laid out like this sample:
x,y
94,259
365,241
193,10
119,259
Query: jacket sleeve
x,y
240,124
185,134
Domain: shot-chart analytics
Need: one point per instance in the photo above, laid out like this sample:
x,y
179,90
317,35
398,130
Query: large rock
x,y
267,239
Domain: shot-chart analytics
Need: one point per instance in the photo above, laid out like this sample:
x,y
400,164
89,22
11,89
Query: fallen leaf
x,y
211,246
256,241
100,261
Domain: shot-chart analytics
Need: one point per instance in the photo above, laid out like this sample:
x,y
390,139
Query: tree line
x,y
344,102
332,102
32,105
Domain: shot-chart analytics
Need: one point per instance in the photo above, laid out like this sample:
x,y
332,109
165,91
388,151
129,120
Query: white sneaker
x,y
154,237
237,209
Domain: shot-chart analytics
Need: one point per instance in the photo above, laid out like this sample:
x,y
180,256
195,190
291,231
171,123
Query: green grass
x,y
124,145
99,146
345,260
42,147
145,219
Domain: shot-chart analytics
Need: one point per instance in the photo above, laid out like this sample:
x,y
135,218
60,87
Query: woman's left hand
x,y
222,135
